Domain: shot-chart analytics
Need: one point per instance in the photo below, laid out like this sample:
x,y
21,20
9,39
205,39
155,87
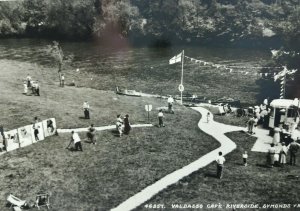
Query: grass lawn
x,y
105,174
252,184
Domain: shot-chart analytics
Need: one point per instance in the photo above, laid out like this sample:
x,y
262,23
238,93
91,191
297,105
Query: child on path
x,y
245,156
207,117
160,118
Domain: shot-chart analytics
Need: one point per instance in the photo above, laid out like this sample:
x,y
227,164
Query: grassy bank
x,y
103,175
255,183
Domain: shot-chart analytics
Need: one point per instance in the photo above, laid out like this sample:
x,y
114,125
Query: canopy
x,y
284,103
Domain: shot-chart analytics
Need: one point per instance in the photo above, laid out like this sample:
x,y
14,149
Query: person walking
x,y
220,165
160,118
86,110
76,140
127,126
293,148
170,104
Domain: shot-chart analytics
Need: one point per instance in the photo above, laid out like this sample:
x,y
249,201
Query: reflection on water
x,y
147,69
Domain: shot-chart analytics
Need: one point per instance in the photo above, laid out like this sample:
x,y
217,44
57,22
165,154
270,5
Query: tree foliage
x,y
177,21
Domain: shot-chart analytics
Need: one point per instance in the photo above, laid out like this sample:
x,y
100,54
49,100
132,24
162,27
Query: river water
x,y
147,69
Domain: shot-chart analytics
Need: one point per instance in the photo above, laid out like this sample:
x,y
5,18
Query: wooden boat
x,y
127,92
229,101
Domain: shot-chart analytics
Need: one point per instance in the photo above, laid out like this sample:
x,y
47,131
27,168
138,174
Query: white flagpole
x,y
182,58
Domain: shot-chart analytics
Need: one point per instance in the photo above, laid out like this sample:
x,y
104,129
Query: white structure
x,y
284,113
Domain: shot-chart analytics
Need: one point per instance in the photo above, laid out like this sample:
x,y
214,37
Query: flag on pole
x,y
175,59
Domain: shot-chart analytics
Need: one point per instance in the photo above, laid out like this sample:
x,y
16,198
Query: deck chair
x,y
14,201
42,200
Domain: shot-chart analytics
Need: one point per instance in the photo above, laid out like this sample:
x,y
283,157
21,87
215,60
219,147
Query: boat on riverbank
x,y
127,92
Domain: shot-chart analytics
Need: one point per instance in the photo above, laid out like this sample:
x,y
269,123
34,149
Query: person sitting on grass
x,y
160,118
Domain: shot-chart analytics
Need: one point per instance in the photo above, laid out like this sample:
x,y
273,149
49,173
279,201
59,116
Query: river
x,y
147,69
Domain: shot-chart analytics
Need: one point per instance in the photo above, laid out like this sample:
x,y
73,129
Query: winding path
x,y
212,128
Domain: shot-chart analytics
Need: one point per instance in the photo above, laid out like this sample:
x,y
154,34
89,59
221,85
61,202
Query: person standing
x,y
160,118
250,124
170,104
25,87
28,79
76,140
86,110
37,88
220,165
283,154
245,157
62,80
271,155
92,134
36,132
276,136
127,126
119,125
208,117
293,148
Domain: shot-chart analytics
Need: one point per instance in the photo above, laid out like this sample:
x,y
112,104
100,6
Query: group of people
x,y
33,85
278,156
75,138
123,125
259,115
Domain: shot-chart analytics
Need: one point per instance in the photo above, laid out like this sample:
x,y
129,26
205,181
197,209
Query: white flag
x,y
175,59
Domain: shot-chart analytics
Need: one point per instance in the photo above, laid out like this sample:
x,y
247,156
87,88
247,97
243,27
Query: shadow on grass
x,y
81,117
210,174
263,165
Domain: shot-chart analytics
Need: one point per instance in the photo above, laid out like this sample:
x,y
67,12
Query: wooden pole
x,y
182,59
